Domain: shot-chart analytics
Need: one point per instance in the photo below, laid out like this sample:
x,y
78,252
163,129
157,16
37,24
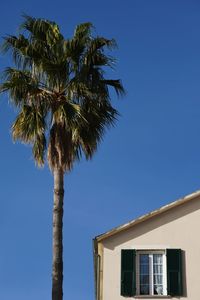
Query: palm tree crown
x,y
59,88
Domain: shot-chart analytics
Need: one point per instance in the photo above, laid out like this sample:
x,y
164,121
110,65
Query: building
x,y
154,256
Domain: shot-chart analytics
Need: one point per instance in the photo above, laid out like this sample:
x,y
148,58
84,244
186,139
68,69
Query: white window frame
x,y
151,288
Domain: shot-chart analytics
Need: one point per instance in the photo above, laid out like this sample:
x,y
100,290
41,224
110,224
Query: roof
x,y
148,216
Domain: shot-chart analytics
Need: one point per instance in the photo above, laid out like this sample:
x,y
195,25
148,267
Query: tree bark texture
x,y
57,268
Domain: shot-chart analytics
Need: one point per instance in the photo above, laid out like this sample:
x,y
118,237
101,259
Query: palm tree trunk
x,y
57,272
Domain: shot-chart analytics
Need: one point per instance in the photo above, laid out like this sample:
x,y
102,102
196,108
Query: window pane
x,y
158,274
144,274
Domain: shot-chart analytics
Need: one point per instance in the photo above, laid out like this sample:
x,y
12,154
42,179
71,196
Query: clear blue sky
x,y
150,158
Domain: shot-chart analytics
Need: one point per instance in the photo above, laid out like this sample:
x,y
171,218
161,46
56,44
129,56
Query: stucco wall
x,y
177,228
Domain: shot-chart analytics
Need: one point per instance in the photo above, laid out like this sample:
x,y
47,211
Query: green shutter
x,y
174,272
128,273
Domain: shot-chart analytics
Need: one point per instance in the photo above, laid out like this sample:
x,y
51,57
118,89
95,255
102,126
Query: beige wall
x,y
177,228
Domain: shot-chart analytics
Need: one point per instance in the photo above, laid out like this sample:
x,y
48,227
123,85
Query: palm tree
x,y
63,103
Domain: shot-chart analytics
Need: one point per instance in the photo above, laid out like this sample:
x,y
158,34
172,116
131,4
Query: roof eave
x,y
147,216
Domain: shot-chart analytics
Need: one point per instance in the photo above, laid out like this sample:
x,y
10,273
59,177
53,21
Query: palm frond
x,y
29,127
95,52
23,88
100,117
41,29
39,149
83,31
18,47
28,124
117,85
68,115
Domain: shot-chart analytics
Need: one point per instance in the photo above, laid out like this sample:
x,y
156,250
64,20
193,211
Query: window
x,y
150,272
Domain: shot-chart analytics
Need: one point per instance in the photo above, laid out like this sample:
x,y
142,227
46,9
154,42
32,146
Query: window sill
x,y
152,296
